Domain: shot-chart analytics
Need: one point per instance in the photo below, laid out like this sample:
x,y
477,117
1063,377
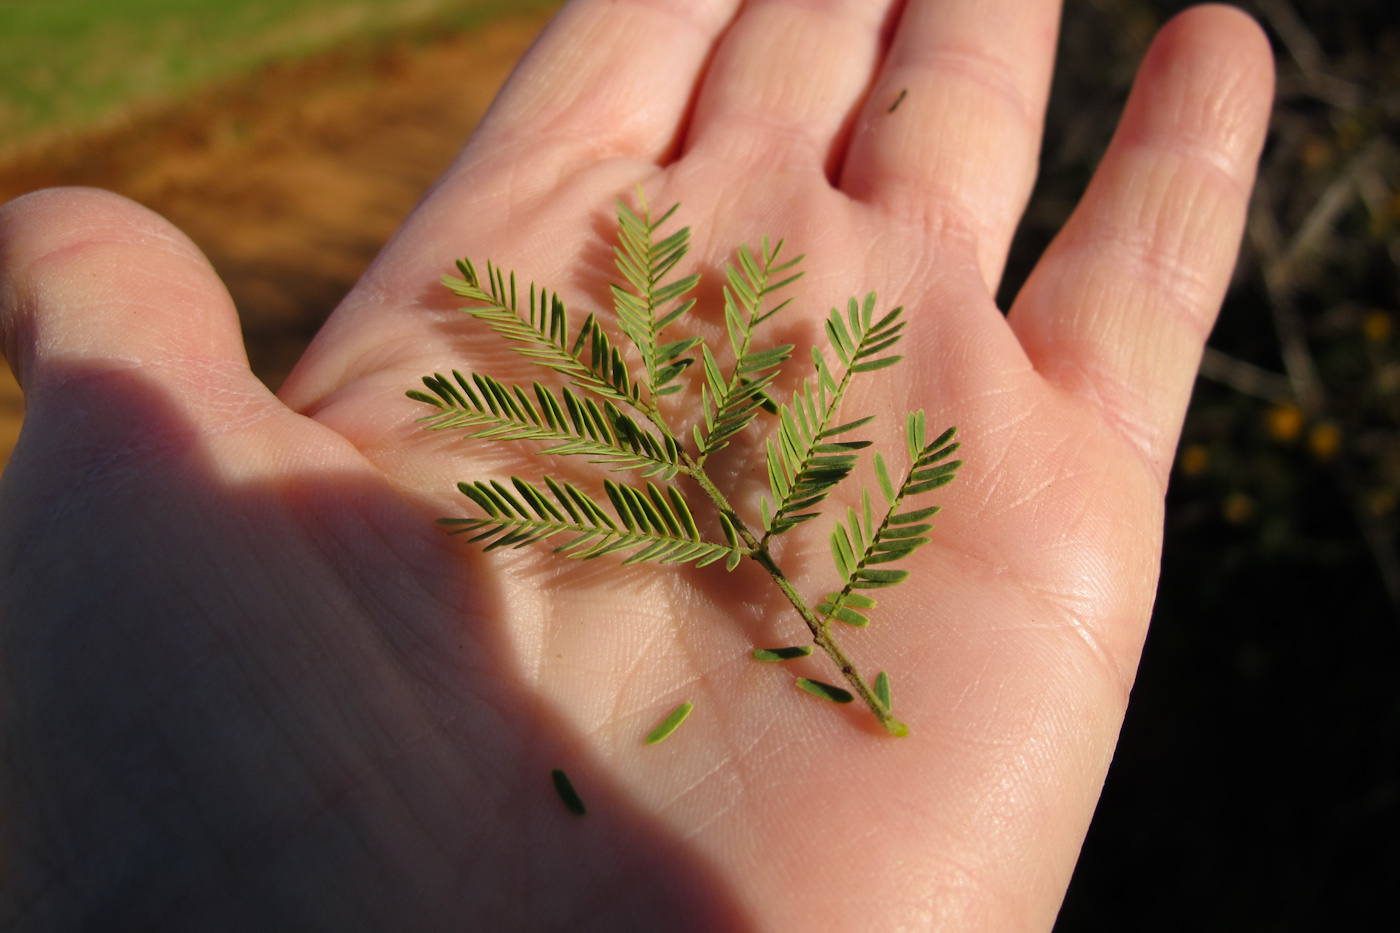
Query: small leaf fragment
x,y
782,654
826,691
567,793
670,724
882,688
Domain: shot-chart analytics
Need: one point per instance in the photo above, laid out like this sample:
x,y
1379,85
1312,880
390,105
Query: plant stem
x,y
821,630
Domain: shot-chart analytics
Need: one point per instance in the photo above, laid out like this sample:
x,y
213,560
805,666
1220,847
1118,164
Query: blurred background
x,y
1257,784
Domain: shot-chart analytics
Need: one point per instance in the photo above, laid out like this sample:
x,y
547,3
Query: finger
x,y
605,89
92,284
607,78
785,80
1120,305
971,79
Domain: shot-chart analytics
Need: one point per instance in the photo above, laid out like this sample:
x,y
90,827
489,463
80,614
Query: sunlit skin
x,y
249,683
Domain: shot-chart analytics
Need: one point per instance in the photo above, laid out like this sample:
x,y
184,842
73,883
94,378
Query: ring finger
x,y
785,82
952,126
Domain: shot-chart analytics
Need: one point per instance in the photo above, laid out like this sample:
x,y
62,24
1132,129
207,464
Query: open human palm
x,y
248,681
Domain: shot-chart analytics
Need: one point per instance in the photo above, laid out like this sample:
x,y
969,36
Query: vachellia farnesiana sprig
x,y
610,412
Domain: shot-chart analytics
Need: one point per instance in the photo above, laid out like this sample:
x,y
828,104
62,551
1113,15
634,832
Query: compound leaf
x,y
653,525
738,397
485,408
860,545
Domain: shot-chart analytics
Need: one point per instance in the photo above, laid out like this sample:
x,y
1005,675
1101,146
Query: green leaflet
x,y
882,475
565,789
731,537
841,611
782,654
882,688
882,693
826,691
843,606
670,724
605,410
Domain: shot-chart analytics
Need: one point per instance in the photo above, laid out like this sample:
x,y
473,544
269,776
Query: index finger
x,y
608,78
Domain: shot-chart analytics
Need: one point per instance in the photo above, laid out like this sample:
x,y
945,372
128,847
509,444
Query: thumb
x,y
95,291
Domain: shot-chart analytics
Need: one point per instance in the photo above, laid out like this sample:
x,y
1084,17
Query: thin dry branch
x,y
1265,237
1296,36
1282,265
1246,378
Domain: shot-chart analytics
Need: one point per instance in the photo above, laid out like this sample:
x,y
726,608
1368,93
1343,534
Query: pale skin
x,y
249,683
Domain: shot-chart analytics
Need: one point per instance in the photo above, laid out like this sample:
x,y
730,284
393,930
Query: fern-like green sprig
x,y
490,410
806,459
861,543
643,312
658,523
729,404
541,330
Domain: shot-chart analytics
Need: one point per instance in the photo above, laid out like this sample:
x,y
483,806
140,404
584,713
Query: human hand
x,y
249,682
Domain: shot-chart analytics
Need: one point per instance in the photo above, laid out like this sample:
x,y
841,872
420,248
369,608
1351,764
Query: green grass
x,y
70,63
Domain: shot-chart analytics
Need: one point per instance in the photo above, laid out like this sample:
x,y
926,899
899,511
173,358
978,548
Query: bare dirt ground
x,y
291,179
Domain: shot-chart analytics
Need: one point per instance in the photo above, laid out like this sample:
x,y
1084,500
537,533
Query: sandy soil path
x,y
290,180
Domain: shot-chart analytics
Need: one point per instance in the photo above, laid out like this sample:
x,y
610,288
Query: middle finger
x,y
785,82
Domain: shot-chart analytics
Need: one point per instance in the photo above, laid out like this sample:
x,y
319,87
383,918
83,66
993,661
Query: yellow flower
x,y
1325,440
1195,459
1317,153
1377,325
1284,422
1238,508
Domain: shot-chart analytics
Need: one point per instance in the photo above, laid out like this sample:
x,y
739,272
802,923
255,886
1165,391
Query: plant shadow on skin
x,y
189,744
